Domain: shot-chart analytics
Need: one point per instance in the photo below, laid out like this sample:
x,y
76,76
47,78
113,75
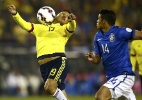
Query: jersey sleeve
x,y
22,23
96,45
28,26
70,27
126,33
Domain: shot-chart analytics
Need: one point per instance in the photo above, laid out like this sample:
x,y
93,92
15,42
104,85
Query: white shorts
x,y
121,86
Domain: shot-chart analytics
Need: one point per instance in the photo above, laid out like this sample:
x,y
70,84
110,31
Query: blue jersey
x,y
113,48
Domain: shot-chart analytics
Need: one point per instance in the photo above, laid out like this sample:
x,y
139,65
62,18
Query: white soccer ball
x,y
46,15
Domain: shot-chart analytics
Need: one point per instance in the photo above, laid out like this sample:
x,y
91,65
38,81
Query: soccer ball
x,y
46,15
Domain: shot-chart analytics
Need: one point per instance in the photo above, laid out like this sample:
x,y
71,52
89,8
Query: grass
x,y
138,97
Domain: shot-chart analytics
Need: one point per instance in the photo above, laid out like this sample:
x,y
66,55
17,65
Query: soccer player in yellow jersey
x,y
50,45
136,56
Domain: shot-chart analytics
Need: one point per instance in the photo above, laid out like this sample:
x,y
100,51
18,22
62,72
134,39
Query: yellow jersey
x,y
136,54
50,39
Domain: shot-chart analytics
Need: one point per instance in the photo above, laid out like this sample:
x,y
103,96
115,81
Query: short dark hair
x,y
67,11
108,15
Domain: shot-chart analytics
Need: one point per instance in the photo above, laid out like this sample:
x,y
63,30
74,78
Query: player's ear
x,y
104,21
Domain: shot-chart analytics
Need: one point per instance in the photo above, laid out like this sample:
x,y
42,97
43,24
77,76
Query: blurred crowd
x,y
18,84
128,13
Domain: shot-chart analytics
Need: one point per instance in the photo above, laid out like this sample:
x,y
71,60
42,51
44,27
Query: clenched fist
x,y
71,17
90,56
12,9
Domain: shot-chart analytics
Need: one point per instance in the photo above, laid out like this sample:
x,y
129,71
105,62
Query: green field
x,y
50,98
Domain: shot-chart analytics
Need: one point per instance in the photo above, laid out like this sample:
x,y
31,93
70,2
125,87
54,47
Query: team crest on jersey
x,y
112,37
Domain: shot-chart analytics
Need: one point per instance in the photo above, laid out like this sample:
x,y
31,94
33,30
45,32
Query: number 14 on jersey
x,y
105,48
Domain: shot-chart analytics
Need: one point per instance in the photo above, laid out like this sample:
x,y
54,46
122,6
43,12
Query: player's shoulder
x,y
119,28
124,29
38,24
134,42
98,32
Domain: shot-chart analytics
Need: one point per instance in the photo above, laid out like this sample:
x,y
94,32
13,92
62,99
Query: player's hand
x,y
12,9
71,17
90,56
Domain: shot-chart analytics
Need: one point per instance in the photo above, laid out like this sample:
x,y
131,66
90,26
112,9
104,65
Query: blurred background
x,y
19,70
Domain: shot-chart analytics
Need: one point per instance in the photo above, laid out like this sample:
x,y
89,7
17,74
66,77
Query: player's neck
x,y
55,21
106,28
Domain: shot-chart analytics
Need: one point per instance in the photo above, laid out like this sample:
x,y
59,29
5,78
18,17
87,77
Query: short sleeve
x,y
126,33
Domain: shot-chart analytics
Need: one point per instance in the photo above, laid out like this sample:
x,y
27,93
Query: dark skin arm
x,y
138,35
93,58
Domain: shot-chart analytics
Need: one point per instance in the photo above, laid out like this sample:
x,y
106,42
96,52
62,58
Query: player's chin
x,y
97,26
64,22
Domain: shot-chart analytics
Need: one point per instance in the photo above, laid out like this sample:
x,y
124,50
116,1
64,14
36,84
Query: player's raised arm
x,y
138,35
68,19
23,24
71,22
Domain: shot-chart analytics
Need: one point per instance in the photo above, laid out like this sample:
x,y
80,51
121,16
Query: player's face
x,y
100,22
63,17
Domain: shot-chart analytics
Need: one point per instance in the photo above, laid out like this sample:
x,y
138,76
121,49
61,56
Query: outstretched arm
x,y
23,24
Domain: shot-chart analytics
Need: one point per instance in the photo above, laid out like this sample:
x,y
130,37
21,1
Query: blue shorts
x,y
56,69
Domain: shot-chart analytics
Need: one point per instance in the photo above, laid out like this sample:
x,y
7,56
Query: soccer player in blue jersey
x,y
111,45
50,46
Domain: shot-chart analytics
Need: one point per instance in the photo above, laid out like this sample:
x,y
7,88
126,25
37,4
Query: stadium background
x,y
19,71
